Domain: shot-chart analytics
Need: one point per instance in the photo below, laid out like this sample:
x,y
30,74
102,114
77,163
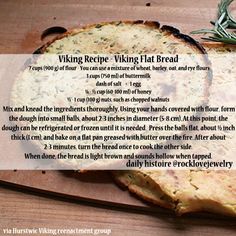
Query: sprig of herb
x,y
225,21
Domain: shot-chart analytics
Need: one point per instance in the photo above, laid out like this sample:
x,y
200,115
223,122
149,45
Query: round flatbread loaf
x,y
189,191
109,38
192,190
128,37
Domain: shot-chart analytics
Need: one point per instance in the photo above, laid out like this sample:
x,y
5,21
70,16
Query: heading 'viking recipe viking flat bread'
x,y
110,38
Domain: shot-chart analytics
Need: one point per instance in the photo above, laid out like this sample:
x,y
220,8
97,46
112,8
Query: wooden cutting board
x,y
96,186
21,27
91,187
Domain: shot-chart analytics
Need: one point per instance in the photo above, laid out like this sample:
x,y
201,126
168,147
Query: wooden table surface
x,y
24,210
23,21
21,25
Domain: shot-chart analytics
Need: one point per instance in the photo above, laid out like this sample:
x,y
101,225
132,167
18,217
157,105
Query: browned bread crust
x,y
169,30
143,186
